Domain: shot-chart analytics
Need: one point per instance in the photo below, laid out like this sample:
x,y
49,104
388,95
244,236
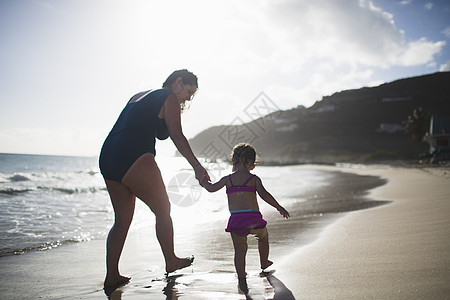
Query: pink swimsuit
x,y
243,221
240,188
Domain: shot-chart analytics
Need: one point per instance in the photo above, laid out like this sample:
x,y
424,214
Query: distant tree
x,y
417,124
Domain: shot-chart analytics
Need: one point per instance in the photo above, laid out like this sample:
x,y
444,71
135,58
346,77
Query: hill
x,y
357,125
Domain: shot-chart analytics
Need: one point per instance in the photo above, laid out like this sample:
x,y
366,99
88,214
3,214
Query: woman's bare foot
x,y
179,263
111,285
268,264
242,281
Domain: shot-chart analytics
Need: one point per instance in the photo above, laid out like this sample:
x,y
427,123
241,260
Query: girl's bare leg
x,y
263,247
240,251
145,181
123,202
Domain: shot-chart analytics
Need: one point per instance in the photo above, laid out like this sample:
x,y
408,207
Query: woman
x,y
127,163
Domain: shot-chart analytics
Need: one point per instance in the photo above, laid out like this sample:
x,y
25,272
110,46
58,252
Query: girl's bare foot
x,y
179,263
268,264
111,285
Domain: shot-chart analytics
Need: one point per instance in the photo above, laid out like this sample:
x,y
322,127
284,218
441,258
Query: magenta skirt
x,y
242,222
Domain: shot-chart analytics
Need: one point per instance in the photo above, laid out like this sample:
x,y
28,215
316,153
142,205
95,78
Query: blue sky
x,y
68,67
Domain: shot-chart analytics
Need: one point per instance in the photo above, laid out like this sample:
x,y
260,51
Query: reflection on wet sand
x,y
281,292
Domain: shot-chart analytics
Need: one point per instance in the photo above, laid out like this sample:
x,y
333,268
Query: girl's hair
x,y
188,78
245,154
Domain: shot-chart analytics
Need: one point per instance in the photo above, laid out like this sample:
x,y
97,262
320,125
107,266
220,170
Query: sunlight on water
x,y
192,205
47,201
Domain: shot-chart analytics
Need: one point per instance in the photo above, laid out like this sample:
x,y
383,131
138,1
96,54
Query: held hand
x,y
201,174
205,184
284,212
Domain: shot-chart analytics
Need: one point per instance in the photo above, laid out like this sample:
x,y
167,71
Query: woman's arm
x,y
267,197
214,187
173,121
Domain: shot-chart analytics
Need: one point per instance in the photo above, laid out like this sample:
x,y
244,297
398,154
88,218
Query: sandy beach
x,y
395,251
396,248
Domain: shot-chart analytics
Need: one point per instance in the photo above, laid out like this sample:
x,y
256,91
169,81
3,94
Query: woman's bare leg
x,y
145,181
123,202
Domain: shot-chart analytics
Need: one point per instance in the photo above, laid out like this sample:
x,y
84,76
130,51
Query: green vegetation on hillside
x,y
361,125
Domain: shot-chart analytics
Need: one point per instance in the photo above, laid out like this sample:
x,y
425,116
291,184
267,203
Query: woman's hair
x,y
245,154
186,76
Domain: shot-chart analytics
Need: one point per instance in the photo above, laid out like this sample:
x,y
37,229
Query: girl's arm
x,y
214,187
267,197
173,122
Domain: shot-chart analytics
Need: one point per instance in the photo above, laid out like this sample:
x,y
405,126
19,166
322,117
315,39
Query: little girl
x,y
241,188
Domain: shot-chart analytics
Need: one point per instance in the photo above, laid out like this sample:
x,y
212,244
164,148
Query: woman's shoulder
x,y
152,92
138,96
151,97
161,95
161,91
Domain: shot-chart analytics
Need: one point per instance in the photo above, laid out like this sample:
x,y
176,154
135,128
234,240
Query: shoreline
x,y
399,250
395,251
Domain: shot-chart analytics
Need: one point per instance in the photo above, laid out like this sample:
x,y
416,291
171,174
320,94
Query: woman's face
x,y
187,92
184,92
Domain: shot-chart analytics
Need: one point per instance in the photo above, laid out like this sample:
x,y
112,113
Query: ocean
x,y
49,201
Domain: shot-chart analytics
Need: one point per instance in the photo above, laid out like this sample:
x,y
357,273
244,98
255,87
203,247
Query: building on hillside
x,y
439,138
396,99
391,127
326,108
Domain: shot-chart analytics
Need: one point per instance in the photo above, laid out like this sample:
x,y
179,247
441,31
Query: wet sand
x,y
396,251
346,244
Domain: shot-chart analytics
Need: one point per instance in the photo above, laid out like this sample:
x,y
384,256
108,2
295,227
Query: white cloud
x,y
445,67
96,54
45,4
446,32
353,32
420,52
405,2
428,6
